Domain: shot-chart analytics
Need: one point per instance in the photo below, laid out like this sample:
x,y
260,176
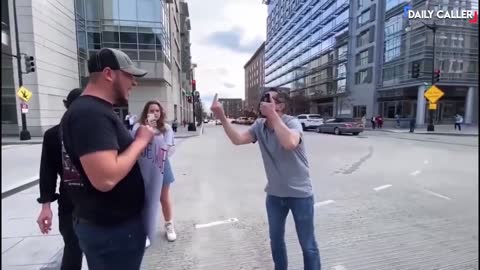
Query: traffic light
x,y
194,85
415,70
29,63
436,76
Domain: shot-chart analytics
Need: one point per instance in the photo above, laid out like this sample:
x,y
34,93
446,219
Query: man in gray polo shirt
x,y
289,186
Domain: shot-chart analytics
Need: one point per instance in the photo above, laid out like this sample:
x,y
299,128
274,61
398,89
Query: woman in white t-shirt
x,y
154,115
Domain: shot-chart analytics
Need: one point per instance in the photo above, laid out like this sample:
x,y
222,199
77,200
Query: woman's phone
x,y
151,120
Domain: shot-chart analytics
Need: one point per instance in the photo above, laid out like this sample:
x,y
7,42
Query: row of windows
x,y
275,44
321,33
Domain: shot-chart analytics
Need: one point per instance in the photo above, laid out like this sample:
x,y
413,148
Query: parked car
x,y
250,121
218,122
310,121
205,121
341,125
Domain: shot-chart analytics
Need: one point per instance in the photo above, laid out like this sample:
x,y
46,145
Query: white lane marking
x,y
215,223
437,194
382,187
415,173
426,161
339,267
323,203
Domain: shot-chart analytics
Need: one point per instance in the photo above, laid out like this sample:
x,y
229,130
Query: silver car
x,y
340,126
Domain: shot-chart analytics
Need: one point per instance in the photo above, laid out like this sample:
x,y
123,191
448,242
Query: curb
x,y
25,185
427,133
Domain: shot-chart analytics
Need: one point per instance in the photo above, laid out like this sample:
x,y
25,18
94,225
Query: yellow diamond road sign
x,y
24,94
433,94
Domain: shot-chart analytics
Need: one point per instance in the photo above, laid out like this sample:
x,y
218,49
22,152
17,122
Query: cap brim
x,y
135,71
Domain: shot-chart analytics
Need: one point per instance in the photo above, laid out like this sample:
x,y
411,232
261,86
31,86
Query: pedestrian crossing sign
x,y
24,94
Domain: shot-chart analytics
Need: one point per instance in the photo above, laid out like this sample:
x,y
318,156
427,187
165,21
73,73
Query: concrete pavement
x,y
384,202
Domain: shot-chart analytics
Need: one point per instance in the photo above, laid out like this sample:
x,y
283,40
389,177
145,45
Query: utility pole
x,y
24,134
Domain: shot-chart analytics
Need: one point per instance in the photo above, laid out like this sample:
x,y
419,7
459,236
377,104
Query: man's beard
x,y
120,98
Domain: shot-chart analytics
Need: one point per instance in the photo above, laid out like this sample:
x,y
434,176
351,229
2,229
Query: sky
x,y
225,34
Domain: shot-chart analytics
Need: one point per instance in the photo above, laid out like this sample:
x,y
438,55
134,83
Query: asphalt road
x,y
385,201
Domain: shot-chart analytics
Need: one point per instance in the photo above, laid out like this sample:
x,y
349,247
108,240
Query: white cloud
x,y
217,65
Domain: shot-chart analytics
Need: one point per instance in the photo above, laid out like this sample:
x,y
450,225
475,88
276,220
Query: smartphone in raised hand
x,y
151,121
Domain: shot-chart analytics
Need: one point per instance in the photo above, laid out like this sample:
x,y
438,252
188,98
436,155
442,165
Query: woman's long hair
x,y
160,121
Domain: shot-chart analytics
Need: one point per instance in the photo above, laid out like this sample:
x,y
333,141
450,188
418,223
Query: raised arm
x,y
235,136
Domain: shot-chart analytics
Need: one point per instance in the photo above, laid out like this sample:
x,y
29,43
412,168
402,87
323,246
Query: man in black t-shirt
x,y
50,169
100,166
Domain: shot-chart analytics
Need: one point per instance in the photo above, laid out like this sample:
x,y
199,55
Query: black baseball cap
x,y
76,92
114,59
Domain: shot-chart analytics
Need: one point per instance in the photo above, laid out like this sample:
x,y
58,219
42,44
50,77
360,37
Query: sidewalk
x,y
446,130
182,132
21,161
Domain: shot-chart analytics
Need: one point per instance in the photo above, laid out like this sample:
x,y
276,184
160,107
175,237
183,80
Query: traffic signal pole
x,y
431,112
24,133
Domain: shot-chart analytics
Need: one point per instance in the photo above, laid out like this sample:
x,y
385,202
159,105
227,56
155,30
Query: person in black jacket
x,y
50,168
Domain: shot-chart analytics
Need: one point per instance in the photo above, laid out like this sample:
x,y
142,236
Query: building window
x,y
362,58
393,3
363,18
359,111
363,38
363,76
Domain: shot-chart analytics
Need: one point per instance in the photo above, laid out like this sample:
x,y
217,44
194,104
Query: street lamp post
x,y
24,134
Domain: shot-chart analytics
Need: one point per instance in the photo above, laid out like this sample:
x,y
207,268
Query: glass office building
x,y
140,28
306,51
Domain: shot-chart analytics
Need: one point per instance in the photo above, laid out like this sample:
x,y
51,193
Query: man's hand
x,y
217,108
145,134
45,219
267,109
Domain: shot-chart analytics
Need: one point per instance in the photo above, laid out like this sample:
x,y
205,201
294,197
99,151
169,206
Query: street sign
x,y
24,107
433,94
24,94
432,106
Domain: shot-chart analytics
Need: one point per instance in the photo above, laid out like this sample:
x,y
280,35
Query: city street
x,y
384,201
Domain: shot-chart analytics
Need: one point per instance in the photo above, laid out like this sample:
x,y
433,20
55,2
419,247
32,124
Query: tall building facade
x,y
353,58
46,31
254,79
140,28
406,42
233,106
306,51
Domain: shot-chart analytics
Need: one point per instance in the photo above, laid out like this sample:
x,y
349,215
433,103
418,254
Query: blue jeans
x,y
118,247
302,210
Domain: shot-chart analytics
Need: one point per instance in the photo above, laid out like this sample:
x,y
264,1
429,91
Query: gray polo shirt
x,y
287,170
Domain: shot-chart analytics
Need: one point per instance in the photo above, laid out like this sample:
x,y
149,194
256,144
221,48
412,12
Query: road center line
x,y
415,173
437,194
323,203
215,223
339,267
382,187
